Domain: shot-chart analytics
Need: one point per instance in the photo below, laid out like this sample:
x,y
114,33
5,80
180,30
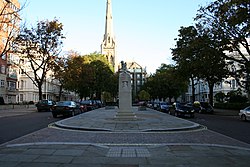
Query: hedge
x,y
233,106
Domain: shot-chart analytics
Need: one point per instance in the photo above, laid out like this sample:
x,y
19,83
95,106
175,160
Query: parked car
x,y
83,107
245,114
150,104
183,110
155,105
99,103
163,106
44,105
196,106
206,108
66,108
90,105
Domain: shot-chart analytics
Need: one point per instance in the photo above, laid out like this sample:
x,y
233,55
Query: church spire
x,y
109,20
108,45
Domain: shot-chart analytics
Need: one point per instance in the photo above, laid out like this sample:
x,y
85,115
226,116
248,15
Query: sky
x,y
144,29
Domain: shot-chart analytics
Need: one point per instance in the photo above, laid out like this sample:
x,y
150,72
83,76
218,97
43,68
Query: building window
x,y
2,83
3,69
138,82
21,84
21,97
233,85
12,85
138,76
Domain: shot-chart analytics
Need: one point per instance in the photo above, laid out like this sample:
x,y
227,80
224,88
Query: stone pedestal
x,y
125,111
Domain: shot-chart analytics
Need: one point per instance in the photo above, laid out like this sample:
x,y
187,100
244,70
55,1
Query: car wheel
x,y
176,114
54,115
243,118
73,113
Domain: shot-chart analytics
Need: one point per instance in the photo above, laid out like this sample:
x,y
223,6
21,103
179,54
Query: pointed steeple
x,y
109,20
108,45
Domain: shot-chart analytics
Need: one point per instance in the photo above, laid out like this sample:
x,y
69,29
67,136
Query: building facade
x,y
138,77
27,91
16,87
9,26
226,85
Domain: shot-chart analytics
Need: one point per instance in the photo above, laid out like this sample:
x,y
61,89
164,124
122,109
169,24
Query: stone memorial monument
x,y
125,111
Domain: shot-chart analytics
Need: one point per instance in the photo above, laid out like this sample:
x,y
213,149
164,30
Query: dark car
x,y
196,106
90,105
66,108
206,108
182,110
44,105
163,106
99,103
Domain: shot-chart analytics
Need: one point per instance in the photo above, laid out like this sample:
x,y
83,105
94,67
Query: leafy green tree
x,y
165,83
97,57
236,97
89,76
102,75
228,24
176,83
38,47
220,96
184,54
59,72
79,76
144,95
212,66
205,59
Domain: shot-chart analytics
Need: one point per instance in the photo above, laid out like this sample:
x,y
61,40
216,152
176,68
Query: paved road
x,y
12,127
228,125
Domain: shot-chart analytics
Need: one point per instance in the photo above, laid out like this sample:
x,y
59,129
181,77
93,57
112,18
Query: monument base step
x,y
126,116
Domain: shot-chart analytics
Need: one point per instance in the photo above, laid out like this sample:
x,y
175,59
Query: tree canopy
x,y
9,25
38,47
228,23
199,57
89,76
165,83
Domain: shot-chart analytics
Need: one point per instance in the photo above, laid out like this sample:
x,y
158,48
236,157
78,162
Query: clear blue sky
x,y
144,29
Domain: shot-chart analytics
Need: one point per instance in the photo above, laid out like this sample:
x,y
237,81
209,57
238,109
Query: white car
x,y
245,114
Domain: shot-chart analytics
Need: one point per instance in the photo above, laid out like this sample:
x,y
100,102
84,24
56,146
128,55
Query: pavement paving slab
x,y
95,139
148,120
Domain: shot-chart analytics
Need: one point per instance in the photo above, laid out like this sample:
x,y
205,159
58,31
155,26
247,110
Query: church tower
x,y
108,46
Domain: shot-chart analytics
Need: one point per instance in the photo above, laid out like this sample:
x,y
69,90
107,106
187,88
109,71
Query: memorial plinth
x,y
125,111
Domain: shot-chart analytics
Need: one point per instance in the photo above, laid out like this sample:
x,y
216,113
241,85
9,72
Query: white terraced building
x,y
227,85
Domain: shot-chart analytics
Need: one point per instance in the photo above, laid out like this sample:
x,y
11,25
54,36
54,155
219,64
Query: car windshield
x,y
64,103
43,101
205,105
86,102
247,109
183,107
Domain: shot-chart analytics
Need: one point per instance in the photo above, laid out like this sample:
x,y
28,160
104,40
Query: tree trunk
x,y
40,91
211,93
60,93
193,90
248,84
